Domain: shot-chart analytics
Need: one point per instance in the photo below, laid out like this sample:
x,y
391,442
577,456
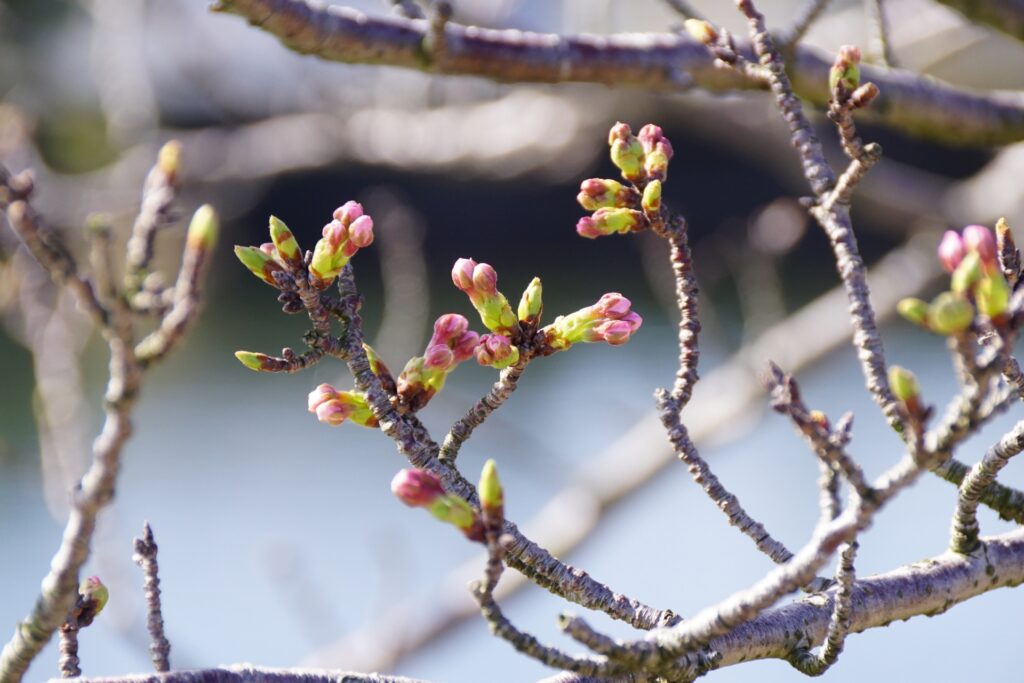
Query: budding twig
x,y
500,391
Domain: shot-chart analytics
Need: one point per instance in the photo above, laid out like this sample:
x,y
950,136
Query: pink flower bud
x,y
485,279
980,239
320,395
447,328
349,249
335,233
463,347
416,488
462,274
612,305
586,227
493,348
439,357
361,231
649,136
348,212
615,332
634,320
951,250
269,249
620,131
333,412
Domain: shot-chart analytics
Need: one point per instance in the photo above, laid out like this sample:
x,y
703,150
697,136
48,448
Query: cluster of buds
x,y
274,261
350,231
609,320
334,407
844,79
976,283
480,282
452,343
621,209
419,488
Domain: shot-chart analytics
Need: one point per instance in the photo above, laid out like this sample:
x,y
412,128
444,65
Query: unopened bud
x,y
284,241
651,201
967,273
950,313
701,31
913,309
599,193
845,71
497,351
979,239
951,250
903,384
492,498
863,96
611,221
628,157
203,229
531,304
93,594
259,262
992,295
168,159
416,488
252,360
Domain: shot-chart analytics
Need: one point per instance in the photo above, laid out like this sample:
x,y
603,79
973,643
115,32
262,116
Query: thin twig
x,y
805,18
879,45
145,557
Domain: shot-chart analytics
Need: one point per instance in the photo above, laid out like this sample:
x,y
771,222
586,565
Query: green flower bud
x,y
252,360
260,263
903,384
992,295
168,159
652,197
531,304
950,313
453,510
845,70
628,155
492,498
915,310
202,231
967,273
284,241
93,594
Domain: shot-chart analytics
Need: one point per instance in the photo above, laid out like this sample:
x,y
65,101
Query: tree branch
x,y
667,62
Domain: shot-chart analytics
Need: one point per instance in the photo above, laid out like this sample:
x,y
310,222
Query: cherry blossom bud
x,y
651,201
950,313
203,229
531,304
609,320
361,232
992,295
168,159
845,71
438,357
416,488
701,31
903,384
323,393
620,131
479,281
598,193
333,412
463,347
92,598
612,305
914,310
979,239
259,263
348,212
284,241
497,351
254,361
967,273
951,250
448,327
611,221
492,497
